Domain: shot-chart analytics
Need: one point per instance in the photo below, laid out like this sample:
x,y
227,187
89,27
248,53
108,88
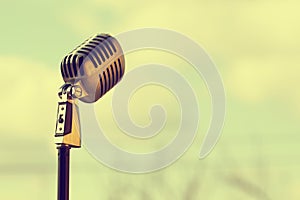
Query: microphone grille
x,y
98,63
98,49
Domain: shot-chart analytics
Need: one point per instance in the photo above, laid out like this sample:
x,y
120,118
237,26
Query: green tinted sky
x,y
255,45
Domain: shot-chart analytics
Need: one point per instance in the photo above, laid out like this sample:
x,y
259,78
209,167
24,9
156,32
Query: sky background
x,y
254,44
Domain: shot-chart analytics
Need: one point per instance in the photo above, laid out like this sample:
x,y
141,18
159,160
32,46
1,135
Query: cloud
x,y
29,96
264,78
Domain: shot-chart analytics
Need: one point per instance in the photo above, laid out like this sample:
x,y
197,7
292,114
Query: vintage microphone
x,y
89,71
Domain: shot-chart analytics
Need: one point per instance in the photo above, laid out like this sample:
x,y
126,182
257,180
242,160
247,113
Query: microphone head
x,y
96,66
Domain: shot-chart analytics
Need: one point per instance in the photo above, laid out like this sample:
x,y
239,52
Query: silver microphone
x,y
89,71
95,66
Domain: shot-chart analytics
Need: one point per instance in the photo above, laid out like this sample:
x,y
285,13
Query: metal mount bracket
x,y
67,130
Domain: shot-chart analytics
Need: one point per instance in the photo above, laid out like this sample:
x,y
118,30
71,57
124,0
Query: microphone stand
x,y
63,171
67,135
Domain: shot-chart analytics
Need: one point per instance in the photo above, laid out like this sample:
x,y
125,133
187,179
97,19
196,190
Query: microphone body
x,y
96,66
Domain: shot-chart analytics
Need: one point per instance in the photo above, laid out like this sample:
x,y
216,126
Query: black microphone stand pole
x,y
67,135
63,171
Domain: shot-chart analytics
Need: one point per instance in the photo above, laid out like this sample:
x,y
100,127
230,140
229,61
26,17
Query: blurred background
x,y
254,44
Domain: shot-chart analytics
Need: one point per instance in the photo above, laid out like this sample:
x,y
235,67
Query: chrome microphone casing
x,y
95,66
